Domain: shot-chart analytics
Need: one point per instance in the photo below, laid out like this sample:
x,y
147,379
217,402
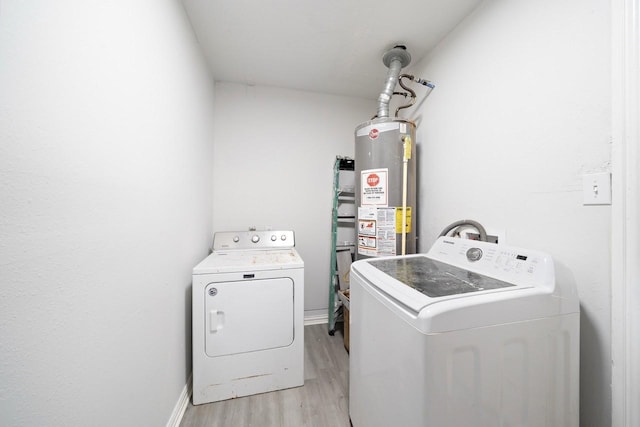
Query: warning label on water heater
x,y
376,231
374,186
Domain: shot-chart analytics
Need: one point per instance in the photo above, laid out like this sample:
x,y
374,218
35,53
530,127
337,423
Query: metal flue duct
x,y
396,59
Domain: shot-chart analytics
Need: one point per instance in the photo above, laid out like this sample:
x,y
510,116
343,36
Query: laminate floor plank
x,y
323,401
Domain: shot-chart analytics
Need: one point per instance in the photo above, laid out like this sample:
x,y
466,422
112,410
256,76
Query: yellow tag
x,y
399,220
407,147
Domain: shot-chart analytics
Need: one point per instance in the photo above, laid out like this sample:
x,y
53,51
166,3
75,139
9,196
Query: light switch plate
x,y
596,188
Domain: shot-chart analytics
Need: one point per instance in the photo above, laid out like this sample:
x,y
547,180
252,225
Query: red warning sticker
x,y
373,134
373,187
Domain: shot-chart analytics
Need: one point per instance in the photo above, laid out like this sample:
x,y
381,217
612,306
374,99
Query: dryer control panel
x,y
253,239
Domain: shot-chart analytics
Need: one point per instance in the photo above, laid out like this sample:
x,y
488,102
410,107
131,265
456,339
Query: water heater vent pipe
x,y
396,59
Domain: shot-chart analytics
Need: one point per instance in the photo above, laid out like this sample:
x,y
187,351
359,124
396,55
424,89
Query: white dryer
x,y
470,334
248,328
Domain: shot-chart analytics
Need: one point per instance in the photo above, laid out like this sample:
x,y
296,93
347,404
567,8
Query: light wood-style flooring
x,y
323,401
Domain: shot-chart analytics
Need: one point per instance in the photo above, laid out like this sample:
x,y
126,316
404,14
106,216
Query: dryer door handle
x,y
216,320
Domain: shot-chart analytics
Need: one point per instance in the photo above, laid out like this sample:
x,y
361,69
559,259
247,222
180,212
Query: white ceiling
x,y
328,46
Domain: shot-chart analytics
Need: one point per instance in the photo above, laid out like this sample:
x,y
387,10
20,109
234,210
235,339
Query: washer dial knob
x,y
255,238
236,239
474,254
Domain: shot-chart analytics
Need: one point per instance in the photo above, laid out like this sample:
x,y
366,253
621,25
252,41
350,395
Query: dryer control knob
x,y
236,239
273,237
283,237
255,238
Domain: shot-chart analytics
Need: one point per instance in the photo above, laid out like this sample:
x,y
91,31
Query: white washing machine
x,y
248,302
470,334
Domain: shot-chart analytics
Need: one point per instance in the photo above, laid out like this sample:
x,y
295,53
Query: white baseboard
x,y
316,319
181,405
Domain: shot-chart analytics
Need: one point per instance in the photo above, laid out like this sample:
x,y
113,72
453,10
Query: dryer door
x,y
248,316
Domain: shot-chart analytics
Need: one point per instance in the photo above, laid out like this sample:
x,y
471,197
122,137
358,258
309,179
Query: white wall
x,y
105,147
274,154
520,112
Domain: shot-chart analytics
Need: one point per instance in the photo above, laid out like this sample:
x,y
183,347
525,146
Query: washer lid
x,y
417,281
434,278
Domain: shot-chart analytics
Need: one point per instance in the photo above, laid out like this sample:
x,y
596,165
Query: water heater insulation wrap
x,y
379,163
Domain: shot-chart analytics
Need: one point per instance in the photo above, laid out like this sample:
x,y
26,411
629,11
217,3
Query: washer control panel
x,y
253,239
513,265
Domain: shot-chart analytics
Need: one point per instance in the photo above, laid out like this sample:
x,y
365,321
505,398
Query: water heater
x,y
385,167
